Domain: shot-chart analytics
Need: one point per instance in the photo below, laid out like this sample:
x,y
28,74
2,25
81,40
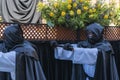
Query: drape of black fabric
x,y
53,69
60,69
27,66
116,47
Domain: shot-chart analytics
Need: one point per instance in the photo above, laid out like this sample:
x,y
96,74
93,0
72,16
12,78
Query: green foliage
x,y
116,19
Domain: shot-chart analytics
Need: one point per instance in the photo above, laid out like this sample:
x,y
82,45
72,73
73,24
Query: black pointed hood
x,y
97,29
12,36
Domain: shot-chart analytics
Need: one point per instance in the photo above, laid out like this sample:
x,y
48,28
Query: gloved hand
x,y
82,44
53,44
68,46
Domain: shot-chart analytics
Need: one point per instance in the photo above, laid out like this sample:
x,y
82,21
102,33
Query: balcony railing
x,y
42,32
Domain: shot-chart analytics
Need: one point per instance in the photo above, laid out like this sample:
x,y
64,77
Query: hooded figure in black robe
x,y
93,59
105,68
27,64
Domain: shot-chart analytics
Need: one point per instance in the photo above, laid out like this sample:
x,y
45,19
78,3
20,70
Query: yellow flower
x,y
111,13
63,13
40,6
90,10
69,6
87,0
98,5
71,13
81,1
85,8
78,11
91,16
63,3
51,14
105,16
69,1
94,10
74,4
55,4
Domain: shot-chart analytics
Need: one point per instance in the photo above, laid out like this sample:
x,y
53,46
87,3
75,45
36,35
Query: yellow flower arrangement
x,y
76,14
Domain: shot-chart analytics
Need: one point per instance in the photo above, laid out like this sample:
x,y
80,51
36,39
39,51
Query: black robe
x,y
105,65
27,62
28,66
